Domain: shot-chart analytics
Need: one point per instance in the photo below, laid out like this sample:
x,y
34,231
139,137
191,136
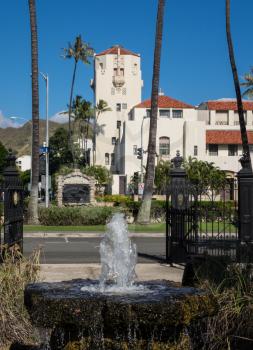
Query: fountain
x,y
115,312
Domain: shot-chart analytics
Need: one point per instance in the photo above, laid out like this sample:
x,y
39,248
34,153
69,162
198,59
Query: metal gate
x,y
200,221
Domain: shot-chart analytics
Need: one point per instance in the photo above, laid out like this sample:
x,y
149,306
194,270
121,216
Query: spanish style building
x,y
208,132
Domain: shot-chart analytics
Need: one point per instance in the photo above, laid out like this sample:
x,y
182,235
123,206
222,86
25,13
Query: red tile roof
x,y
225,105
165,102
114,51
226,137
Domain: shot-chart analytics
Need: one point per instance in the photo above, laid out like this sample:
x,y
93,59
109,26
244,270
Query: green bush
x,y
117,199
76,216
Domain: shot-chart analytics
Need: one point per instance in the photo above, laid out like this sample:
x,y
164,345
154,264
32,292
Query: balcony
x,y
118,80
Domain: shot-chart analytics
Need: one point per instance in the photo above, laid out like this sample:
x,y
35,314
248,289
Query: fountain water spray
x,y
118,255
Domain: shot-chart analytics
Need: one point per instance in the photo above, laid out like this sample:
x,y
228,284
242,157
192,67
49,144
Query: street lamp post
x,y
46,79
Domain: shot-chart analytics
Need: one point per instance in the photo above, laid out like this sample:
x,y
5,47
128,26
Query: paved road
x,y
72,250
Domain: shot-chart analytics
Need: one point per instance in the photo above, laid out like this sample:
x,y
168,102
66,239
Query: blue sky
x,y
195,65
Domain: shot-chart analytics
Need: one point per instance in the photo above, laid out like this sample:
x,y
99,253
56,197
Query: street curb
x,y
42,234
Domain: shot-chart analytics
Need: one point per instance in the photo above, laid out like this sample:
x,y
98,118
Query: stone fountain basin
x,y
163,306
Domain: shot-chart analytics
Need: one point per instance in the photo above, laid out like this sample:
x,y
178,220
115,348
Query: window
x,y
177,113
221,118
135,150
112,91
124,91
213,150
195,151
101,66
164,113
164,146
118,124
236,118
119,72
131,115
112,159
232,150
118,107
114,141
107,159
124,105
148,111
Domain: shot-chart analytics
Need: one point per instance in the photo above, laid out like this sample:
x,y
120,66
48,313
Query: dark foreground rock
x,y
159,316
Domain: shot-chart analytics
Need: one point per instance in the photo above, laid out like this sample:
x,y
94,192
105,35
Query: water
x,y
118,256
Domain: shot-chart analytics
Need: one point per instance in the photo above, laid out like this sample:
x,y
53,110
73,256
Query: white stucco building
x,y
24,163
209,132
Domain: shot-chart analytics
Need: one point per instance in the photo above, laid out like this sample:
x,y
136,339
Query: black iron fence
x,y
201,220
12,196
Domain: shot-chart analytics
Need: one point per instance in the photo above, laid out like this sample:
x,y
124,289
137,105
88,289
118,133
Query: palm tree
x,y
244,136
33,203
82,112
248,83
80,51
144,212
101,107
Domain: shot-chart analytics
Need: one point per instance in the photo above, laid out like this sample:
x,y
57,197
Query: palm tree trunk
x,y
71,146
33,203
244,135
144,212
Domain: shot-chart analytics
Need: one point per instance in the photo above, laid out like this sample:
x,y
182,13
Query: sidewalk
x,y
63,272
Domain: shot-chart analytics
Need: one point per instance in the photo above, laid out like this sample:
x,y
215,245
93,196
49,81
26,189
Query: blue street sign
x,y
44,149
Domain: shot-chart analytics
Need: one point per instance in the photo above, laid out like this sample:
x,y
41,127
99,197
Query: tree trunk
x,y
71,146
144,212
33,203
244,137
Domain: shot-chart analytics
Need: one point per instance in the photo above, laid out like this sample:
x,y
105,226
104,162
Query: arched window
x,y
164,146
107,159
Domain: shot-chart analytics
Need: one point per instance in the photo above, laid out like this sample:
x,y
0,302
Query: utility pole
x,y
46,79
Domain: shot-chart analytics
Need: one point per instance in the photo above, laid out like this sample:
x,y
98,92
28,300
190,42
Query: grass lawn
x,y
152,228
95,228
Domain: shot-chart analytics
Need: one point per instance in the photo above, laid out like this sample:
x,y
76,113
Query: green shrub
x,y
117,199
76,216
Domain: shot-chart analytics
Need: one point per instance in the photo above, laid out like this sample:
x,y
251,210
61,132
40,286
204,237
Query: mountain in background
x,y
19,139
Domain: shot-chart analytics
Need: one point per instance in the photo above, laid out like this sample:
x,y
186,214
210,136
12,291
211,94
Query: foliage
x,y
101,174
232,327
59,150
248,84
25,177
117,199
204,174
15,272
162,174
75,215
3,155
79,51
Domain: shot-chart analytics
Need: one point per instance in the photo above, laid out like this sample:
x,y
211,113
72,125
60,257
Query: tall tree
x,y
101,107
33,203
248,83
144,212
244,136
79,51
83,112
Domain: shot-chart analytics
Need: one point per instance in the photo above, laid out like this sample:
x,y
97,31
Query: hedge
x,y
76,216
